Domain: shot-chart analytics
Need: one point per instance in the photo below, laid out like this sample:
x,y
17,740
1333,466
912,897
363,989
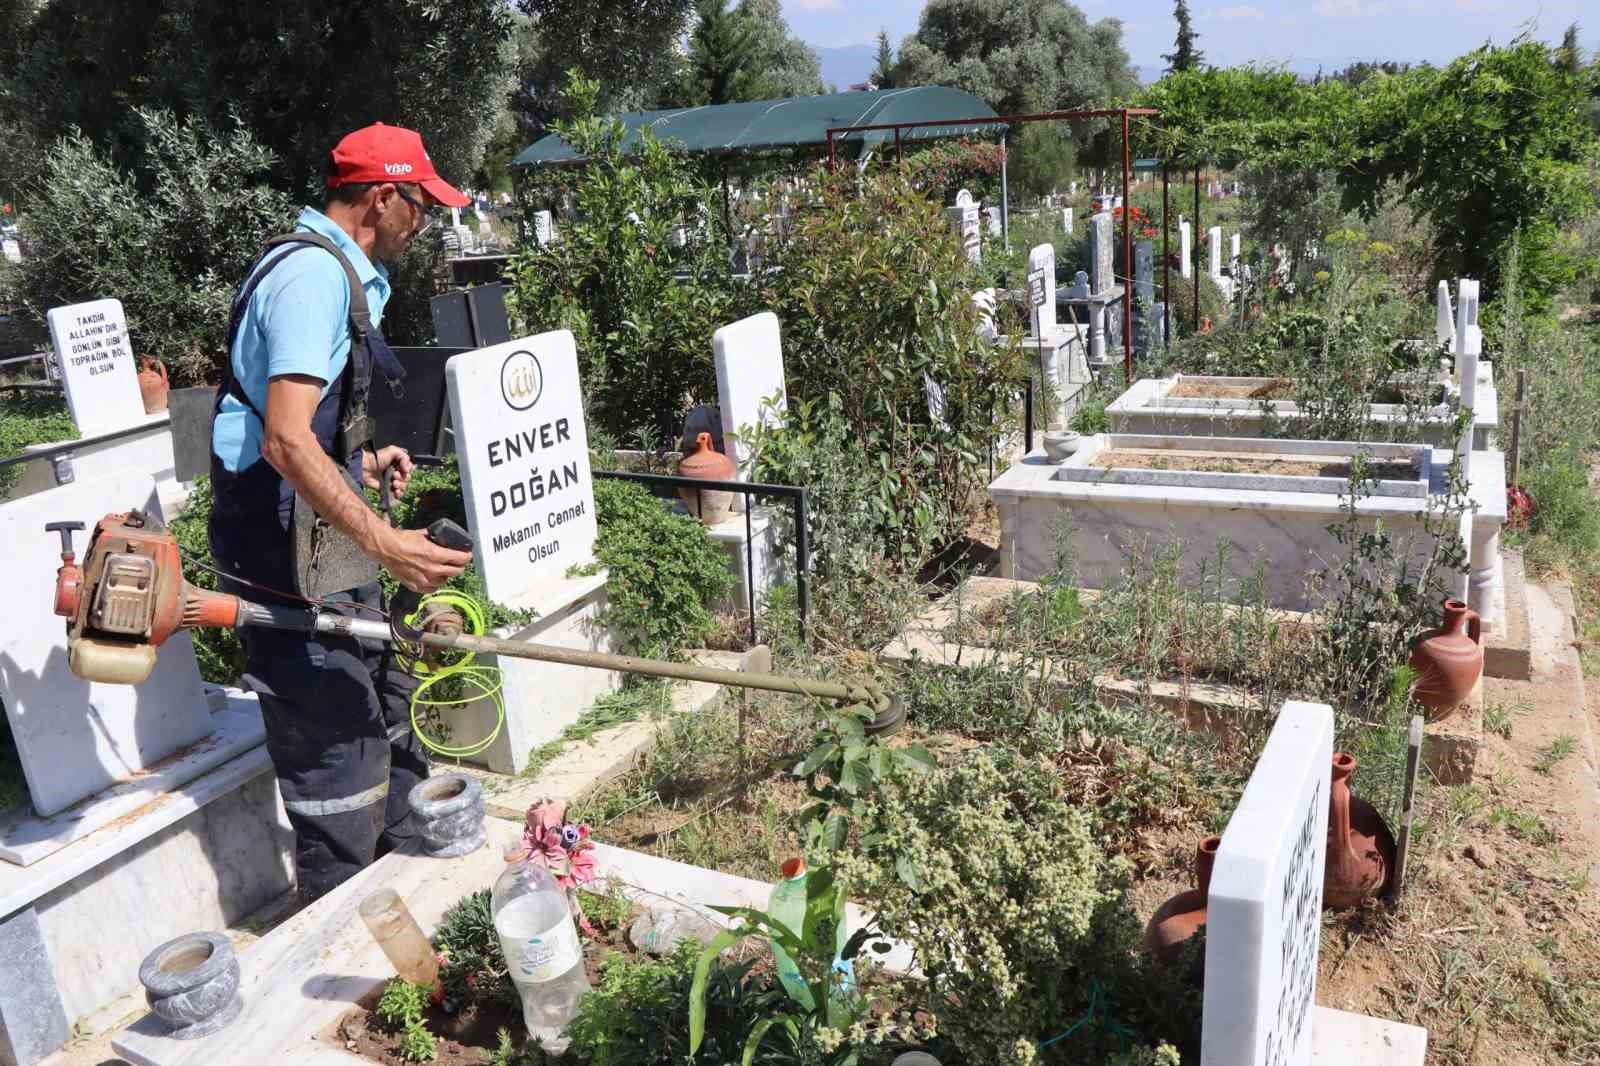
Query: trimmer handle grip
x,y
66,529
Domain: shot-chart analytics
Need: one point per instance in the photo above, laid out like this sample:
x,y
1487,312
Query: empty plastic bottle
x,y
788,905
542,950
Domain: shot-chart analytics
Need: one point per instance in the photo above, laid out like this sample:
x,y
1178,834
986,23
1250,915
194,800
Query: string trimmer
x,y
130,596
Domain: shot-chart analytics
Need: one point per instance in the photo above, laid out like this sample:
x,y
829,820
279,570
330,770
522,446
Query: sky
x,y
1302,34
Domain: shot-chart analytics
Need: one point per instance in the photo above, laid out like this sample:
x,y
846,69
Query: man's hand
x,y
373,466
417,562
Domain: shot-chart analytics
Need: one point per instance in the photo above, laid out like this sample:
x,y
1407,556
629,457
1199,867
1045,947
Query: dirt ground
x,y
1279,388
1230,463
1493,946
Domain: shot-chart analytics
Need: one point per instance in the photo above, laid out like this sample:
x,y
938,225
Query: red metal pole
x,y
833,162
1127,257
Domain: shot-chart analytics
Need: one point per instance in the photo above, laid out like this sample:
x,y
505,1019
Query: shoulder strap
x,y
360,317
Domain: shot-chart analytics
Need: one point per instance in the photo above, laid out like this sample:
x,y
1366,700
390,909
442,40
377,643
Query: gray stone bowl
x,y
1059,444
192,983
449,812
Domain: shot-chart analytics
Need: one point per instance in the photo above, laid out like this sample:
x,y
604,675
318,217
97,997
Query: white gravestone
x,y
544,227
11,249
1066,220
993,214
1101,263
1043,257
750,388
97,368
1264,911
1214,251
984,301
77,737
1233,251
523,449
1185,250
1444,319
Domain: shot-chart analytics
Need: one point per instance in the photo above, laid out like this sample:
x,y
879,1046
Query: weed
x,y
1558,749
417,1044
1498,717
636,699
403,1003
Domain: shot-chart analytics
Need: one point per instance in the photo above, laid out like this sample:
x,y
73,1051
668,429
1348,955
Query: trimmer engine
x,y
128,597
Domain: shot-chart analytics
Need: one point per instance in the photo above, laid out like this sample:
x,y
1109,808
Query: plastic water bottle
x,y
788,905
541,946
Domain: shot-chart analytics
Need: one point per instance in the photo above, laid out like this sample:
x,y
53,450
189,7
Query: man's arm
x,y
294,452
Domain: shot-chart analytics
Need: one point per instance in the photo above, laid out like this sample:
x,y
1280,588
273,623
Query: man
x,y
291,441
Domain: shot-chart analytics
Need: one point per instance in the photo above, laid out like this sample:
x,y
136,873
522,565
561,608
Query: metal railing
x,y
802,536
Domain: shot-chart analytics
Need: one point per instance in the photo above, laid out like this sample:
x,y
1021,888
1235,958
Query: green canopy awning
x,y
799,121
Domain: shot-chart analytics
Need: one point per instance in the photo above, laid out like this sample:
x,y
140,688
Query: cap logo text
x,y
397,168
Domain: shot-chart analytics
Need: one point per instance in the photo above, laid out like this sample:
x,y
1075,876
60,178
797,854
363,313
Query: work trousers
x,y
338,725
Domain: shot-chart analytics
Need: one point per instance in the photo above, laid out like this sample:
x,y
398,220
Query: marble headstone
x,y
77,737
750,382
543,227
1144,273
33,1022
1043,257
523,449
993,214
1264,910
1214,251
984,301
1102,275
96,362
1066,220
1233,250
1185,250
11,250
1444,319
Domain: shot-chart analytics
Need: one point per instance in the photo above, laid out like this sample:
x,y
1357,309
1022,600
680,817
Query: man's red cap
x,y
379,153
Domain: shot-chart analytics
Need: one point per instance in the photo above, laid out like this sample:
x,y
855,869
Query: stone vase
x,y
449,812
1176,922
1448,661
153,385
1361,849
192,984
711,506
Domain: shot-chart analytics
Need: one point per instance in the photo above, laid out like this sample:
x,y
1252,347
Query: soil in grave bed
x,y
1227,463
1280,389
468,1036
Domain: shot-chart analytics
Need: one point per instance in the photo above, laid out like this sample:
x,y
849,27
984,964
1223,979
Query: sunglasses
x,y
429,215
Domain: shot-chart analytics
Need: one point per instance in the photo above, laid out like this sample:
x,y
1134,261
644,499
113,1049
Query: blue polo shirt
x,y
298,322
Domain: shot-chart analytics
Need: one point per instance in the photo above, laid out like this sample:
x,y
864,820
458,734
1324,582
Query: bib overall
x,y
337,712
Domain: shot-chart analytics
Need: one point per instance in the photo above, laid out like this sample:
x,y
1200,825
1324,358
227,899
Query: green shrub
x,y
641,309
665,570
1566,511
218,651
638,1013
1016,913
875,300
170,237
30,418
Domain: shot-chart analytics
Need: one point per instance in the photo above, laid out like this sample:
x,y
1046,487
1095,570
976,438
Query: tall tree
x,y
784,64
1018,55
883,72
1184,56
723,55
1570,55
298,73
630,47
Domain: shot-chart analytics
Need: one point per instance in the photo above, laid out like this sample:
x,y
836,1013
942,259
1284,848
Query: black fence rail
x,y
795,494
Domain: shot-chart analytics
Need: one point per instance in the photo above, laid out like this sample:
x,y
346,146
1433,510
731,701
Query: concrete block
x,y
32,1020
1451,745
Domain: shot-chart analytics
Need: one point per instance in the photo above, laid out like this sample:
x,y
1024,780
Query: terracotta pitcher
x,y
153,384
1181,917
1360,847
1448,661
711,506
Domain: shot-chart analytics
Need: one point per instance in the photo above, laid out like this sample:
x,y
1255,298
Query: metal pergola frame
x,y
1124,114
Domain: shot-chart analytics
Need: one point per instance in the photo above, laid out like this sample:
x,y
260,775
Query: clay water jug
x,y
711,506
1181,917
1448,661
1360,847
153,385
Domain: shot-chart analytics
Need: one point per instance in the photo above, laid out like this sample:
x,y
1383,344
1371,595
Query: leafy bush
x,y
875,300
218,651
945,168
170,236
638,1014
26,419
642,309
666,570
1015,912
